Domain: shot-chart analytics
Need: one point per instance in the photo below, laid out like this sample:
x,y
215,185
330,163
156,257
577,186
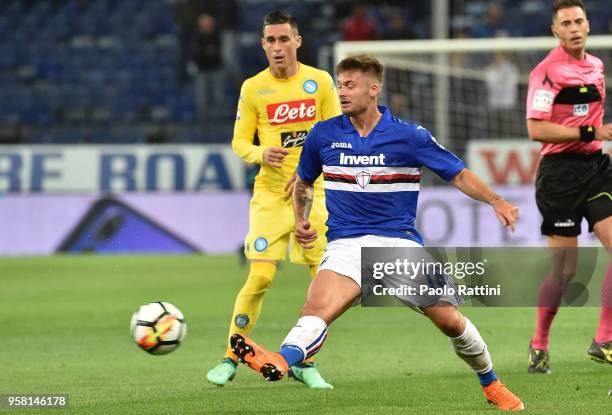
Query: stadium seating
x,y
76,64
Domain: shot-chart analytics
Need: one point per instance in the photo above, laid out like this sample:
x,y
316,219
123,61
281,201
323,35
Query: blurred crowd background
x,y
169,71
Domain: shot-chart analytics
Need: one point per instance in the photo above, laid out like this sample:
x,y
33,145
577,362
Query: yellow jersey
x,y
281,112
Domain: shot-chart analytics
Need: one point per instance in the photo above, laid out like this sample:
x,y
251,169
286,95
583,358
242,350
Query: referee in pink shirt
x,y
565,111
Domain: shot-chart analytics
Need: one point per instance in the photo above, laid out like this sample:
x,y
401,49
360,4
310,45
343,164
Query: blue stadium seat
x,y
102,136
132,135
189,135
70,136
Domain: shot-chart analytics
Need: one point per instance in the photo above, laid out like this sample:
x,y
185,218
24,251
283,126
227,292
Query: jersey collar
x,y
295,75
569,58
347,127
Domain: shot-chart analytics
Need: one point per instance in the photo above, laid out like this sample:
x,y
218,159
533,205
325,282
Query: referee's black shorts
x,y
570,187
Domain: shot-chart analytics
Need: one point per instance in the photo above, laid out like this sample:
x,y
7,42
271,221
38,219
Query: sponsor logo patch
x,y
347,160
542,100
581,110
293,139
341,145
568,223
293,111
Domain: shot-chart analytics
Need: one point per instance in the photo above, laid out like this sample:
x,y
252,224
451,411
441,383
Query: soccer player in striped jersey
x,y
280,104
565,113
371,164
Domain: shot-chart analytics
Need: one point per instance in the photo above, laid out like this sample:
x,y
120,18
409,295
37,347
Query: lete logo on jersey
x,y
291,112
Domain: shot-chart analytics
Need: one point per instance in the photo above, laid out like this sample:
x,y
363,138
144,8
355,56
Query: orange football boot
x,y
500,396
272,366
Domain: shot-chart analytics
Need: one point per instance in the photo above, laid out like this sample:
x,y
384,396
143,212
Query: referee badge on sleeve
x,y
542,100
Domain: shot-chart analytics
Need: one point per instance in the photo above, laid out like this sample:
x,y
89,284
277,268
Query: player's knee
x,y
310,308
448,320
564,276
568,274
452,327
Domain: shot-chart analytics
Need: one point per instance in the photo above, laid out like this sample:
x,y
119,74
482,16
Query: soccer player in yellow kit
x,y
280,104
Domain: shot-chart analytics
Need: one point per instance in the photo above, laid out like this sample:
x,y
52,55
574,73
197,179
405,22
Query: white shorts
x,y
343,256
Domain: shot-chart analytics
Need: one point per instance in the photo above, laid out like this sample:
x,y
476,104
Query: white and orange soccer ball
x,y
158,327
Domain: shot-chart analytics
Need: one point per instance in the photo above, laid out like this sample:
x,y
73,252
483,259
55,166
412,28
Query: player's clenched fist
x,y
274,156
506,212
304,235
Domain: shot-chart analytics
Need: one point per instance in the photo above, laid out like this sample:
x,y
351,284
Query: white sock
x,y
308,335
472,349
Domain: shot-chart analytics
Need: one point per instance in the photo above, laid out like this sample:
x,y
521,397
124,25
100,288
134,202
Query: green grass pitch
x,y
65,330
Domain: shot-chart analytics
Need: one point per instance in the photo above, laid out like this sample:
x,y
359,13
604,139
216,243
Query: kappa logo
x,y
266,91
341,145
547,80
323,262
363,178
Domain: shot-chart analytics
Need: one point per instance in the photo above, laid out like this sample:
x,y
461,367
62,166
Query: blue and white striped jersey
x,y
372,183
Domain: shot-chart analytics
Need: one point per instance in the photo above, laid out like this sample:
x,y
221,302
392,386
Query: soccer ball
x,y
158,327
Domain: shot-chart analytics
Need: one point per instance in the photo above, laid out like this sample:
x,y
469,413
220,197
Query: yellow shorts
x,y
272,229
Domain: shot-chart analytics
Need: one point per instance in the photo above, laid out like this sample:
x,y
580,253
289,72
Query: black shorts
x,y
570,187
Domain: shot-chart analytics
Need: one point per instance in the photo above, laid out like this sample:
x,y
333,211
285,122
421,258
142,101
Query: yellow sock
x,y
249,300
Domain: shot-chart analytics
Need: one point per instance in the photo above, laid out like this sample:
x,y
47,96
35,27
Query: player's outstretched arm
x,y
471,185
550,132
303,194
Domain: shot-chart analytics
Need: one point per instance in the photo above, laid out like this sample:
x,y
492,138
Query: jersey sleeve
x,y
310,166
541,94
435,157
245,128
330,103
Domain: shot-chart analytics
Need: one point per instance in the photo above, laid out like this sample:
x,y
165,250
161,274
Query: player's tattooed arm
x,y
303,194
302,198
